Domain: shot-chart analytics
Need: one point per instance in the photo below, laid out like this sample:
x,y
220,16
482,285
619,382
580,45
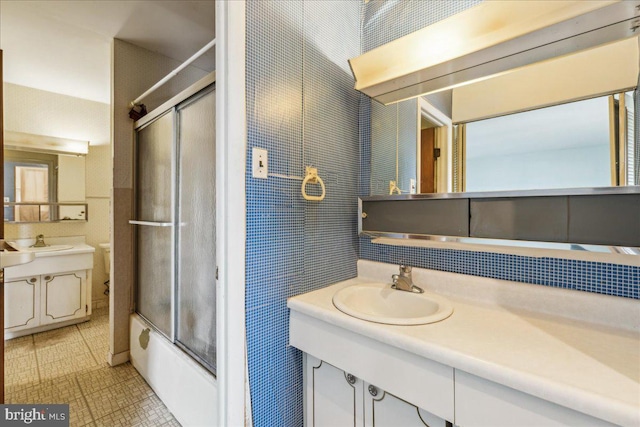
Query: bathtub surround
x,y
134,70
302,108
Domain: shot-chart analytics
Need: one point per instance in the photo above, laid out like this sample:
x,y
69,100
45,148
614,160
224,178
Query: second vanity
x,y
52,291
510,354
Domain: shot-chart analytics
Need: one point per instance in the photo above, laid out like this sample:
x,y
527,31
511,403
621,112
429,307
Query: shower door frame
x,y
191,94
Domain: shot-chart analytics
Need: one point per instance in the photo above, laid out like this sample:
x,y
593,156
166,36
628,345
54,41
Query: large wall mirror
x,y
567,122
44,179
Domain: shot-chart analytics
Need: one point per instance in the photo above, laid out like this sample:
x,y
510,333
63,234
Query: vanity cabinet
x,y
36,301
52,291
334,397
63,296
481,403
20,310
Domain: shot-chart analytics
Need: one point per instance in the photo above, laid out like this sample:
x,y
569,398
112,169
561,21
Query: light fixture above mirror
x,y
20,141
491,38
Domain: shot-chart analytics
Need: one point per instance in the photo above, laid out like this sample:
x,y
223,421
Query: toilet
x,y
106,252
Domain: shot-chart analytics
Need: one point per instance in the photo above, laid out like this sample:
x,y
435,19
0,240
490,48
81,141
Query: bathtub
x,y
187,389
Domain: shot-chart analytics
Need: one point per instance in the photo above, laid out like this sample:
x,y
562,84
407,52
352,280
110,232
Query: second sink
x,y
378,302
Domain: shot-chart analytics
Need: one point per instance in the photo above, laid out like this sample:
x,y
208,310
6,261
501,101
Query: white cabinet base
x,y
333,397
44,328
482,403
48,301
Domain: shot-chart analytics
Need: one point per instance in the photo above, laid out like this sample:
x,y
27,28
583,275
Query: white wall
x,y
39,112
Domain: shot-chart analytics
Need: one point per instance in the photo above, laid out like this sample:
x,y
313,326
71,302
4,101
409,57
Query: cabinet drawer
x,y
484,403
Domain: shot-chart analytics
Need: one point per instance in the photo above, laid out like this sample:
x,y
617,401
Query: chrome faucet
x,y
404,282
39,242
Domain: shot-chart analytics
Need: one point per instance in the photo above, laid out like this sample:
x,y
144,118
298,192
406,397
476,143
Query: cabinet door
x,y
332,396
63,296
382,409
21,298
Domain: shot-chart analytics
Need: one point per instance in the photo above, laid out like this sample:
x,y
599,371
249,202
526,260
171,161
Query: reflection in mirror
x,y
393,156
563,146
29,177
44,178
568,122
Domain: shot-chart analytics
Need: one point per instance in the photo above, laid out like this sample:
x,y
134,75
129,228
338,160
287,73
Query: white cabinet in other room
x,y
63,296
20,309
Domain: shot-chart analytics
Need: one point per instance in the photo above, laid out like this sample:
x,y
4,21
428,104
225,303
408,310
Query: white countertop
x,y
591,368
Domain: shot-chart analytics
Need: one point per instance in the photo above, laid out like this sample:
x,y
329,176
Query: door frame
x,y
231,139
443,141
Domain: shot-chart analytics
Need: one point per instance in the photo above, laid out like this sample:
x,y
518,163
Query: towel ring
x,y
312,178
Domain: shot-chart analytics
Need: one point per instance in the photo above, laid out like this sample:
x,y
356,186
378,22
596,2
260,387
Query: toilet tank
x,y
106,252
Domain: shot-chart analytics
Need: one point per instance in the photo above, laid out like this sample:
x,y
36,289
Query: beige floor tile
x,y
118,396
105,376
54,337
63,351
18,347
19,364
97,312
172,423
149,412
73,364
61,390
21,372
68,365
79,413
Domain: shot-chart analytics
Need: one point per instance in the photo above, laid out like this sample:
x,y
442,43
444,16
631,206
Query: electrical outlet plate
x,y
260,163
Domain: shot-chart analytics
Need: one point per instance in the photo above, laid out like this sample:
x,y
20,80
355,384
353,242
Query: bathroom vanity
x,y
504,357
52,291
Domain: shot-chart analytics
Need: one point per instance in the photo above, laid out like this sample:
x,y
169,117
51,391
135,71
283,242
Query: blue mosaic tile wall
x,y
381,24
302,108
599,277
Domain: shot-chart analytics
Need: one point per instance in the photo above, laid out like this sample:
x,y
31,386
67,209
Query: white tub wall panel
x,y
190,393
431,385
481,403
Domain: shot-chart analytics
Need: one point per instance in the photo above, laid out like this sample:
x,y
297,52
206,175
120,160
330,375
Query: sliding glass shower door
x,y
175,226
155,176
196,263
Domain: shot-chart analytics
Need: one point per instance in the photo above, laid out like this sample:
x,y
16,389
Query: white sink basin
x,y
48,248
51,248
10,258
377,302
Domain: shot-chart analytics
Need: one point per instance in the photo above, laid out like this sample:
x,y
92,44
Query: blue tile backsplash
x,y
599,277
302,108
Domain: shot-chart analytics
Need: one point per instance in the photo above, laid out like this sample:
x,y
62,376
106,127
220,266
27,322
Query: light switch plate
x,y
412,190
260,163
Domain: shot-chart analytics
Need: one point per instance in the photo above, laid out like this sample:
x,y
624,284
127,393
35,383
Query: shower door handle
x,y
150,223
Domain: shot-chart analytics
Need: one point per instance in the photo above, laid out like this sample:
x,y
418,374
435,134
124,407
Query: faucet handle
x,y
405,268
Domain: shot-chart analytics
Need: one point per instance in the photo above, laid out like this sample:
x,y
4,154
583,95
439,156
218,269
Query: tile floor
x,y
67,365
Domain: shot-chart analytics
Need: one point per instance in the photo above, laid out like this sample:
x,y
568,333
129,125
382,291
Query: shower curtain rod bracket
x,y
136,102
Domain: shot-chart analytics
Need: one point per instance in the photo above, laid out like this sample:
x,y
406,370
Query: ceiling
x,y
64,46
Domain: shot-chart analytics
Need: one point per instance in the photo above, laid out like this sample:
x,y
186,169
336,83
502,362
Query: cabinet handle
x,y
47,278
351,379
373,391
33,280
